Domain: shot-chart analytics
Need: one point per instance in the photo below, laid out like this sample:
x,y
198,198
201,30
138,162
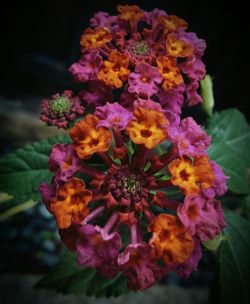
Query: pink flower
x,y
194,68
96,246
145,80
97,94
193,98
220,183
112,115
64,161
172,102
198,44
139,266
191,264
189,138
202,217
148,104
48,192
103,19
61,109
154,16
88,66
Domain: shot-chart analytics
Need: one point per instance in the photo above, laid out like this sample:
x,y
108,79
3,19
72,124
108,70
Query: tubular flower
x,y
145,80
197,212
96,246
148,127
63,162
173,23
113,115
138,263
88,66
170,72
88,138
191,177
92,39
130,12
70,203
189,138
177,47
114,70
170,239
120,53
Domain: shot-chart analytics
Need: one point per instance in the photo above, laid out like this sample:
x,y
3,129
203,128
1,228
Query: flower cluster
x,y
61,109
130,189
146,55
111,190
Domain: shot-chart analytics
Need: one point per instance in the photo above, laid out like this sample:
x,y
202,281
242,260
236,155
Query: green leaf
x,y
22,171
67,277
246,206
235,261
231,127
230,147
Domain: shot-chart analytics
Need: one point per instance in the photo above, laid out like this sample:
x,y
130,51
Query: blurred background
x,y
39,41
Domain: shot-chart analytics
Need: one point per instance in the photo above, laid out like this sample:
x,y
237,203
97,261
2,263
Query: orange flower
x,y
173,23
170,239
149,127
190,176
95,38
170,72
130,12
71,202
89,139
114,70
177,47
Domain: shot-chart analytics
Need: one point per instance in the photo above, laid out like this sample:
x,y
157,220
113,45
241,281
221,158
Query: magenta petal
x,y
191,264
97,94
202,217
189,138
139,266
219,186
63,161
194,68
172,102
145,80
88,66
48,192
113,115
148,104
95,247
193,98
198,44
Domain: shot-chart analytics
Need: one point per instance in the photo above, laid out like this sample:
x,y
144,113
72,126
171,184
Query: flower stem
x,y
111,222
93,214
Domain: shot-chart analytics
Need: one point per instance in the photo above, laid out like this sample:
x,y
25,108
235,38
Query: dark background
x,y
40,40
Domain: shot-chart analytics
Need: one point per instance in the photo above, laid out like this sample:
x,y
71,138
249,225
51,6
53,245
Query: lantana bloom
x,y
92,204
141,53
